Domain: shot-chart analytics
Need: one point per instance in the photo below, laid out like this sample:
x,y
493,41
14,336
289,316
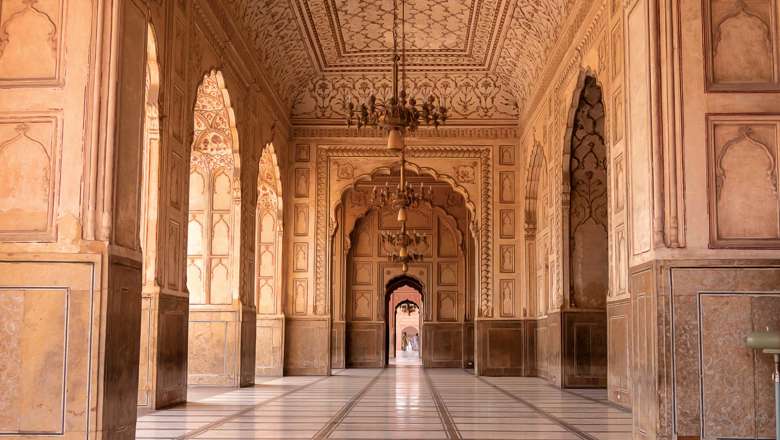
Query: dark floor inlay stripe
x,y
336,420
444,414
560,422
239,413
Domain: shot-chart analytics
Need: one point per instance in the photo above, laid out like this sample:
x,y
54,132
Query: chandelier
x,y
397,114
402,246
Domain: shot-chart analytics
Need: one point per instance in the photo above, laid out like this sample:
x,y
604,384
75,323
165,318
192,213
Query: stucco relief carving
x,y
744,178
496,59
507,258
507,289
271,27
27,178
300,257
507,226
465,173
742,44
507,189
616,57
468,96
588,206
301,219
302,152
301,177
30,26
300,296
506,155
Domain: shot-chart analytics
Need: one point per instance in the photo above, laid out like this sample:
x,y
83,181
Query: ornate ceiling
x,y
482,57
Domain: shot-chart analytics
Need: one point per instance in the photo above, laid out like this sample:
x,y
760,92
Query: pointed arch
x,y
537,167
215,167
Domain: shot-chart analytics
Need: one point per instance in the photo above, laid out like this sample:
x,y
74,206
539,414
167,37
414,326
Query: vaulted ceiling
x,y
482,57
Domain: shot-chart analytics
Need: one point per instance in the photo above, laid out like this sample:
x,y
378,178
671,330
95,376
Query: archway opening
x,y
213,239
149,221
268,267
362,270
404,321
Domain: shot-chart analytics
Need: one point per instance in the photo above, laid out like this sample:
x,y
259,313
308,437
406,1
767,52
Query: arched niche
x,y
536,232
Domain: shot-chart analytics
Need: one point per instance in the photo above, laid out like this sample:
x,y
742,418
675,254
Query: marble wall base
x,y
442,345
69,347
162,378
692,376
248,346
468,345
269,351
337,346
584,349
306,348
571,348
618,338
365,344
506,348
216,355
549,363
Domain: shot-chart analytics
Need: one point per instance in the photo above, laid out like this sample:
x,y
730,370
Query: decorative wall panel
x,y
507,225
640,134
31,27
744,172
301,220
300,296
507,258
301,257
301,177
506,155
506,181
741,45
45,334
507,288
29,172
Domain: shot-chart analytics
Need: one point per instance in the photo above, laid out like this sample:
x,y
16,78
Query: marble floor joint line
x,y
579,433
326,430
444,414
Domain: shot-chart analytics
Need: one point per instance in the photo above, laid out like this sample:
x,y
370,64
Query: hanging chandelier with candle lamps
x,y
398,114
403,246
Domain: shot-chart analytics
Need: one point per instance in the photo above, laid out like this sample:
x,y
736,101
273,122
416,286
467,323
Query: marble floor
x,y
404,402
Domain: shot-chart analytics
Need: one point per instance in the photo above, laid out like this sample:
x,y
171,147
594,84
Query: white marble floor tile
x,y
395,403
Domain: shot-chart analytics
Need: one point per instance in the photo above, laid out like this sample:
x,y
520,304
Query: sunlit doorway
x,y
404,324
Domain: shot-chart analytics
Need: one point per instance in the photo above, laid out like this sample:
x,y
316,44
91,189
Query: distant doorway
x,y
404,335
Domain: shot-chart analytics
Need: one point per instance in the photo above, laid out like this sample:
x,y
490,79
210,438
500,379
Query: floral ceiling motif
x,y
483,57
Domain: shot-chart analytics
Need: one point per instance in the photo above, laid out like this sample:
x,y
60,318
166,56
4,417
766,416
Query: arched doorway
x,y
362,270
213,239
404,321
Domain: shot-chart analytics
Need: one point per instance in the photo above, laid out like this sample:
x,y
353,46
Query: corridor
x,y
394,403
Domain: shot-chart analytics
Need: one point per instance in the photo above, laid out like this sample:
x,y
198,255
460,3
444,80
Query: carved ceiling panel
x,y
484,56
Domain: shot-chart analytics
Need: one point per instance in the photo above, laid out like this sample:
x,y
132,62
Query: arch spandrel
x,y
340,189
